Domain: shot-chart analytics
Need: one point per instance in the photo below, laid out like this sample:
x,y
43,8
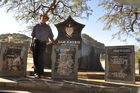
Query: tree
x,y
29,10
125,17
135,3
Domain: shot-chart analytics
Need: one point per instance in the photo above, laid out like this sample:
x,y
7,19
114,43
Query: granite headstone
x,y
120,64
64,62
13,59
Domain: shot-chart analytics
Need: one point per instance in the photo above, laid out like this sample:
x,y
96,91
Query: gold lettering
x,y
72,42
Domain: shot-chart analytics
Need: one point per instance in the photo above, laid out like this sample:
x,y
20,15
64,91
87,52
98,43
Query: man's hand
x,y
55,42
31,49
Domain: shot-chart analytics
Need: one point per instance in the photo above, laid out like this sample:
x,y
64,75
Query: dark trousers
x,y
38,56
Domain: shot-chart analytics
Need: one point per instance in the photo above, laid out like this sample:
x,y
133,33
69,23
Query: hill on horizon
x,y
15,38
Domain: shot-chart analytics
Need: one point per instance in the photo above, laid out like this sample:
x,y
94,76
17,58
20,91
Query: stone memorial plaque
x,y
69,32
13,59
64,62
120,64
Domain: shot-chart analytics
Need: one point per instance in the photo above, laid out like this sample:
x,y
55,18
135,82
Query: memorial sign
x,y
64,62
13,59
69,32
120,64
65,55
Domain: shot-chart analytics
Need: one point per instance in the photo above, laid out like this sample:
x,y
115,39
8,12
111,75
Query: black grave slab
x,y
64,62
120,64
13,59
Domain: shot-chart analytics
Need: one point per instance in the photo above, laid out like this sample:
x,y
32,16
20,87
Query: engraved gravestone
x,y
65,62
120,64
66,55
13,59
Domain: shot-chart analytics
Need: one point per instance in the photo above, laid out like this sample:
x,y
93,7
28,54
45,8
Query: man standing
x,y
40,36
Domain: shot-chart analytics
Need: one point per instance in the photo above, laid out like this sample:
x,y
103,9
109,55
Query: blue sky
x,y
92,27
